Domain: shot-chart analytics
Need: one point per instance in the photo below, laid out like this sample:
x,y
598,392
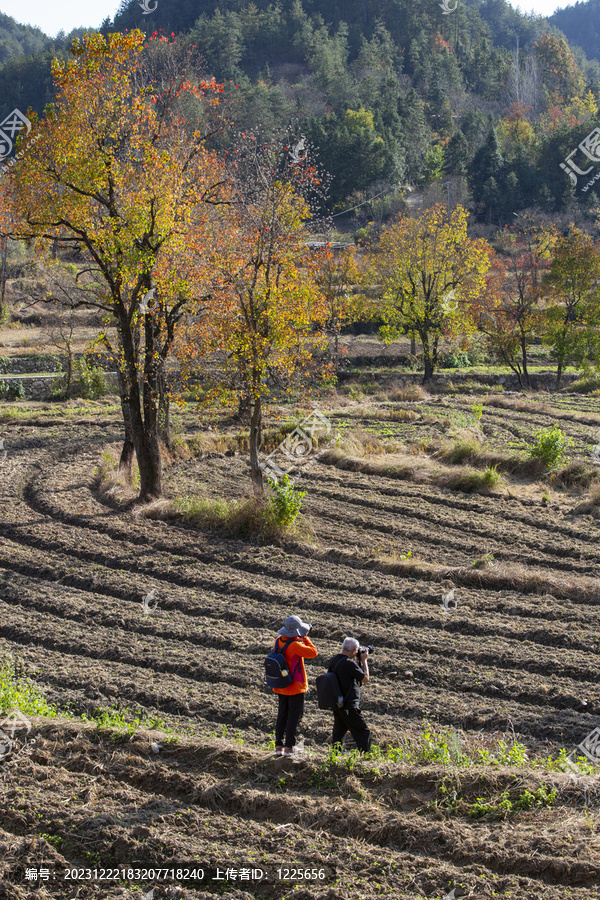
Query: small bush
x,y
90,382
483,562
550,446
497,809
284,507
456,359
12,390
491,476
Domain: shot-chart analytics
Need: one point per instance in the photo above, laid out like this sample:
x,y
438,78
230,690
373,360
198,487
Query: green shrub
x,y
550,446
284,507
89,382
456,359
12,390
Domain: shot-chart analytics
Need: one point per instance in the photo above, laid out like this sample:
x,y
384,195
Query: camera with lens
x,y
367,649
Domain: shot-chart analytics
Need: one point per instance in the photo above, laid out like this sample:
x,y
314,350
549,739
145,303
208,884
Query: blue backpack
x,y
277,673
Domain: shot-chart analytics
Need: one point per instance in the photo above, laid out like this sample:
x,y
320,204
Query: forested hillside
x,y
19,40
581,25
388,93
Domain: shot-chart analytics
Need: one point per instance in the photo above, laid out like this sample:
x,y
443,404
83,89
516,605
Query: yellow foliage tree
x,y
430,273
118,175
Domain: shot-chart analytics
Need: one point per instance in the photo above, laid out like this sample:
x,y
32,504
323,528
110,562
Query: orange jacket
x,y
300,649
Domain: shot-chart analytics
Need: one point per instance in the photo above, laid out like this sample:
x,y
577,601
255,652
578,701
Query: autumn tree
x,y
572,297
561,74
267,307
429,273
498,321
118,174
338,277
527,254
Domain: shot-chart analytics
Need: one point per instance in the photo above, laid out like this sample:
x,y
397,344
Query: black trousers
x,y
291,710
351,720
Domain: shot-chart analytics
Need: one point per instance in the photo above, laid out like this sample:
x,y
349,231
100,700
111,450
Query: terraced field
x,y
518,656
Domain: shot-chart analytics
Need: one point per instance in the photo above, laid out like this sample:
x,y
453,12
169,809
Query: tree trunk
x,y
562,354
413,345
69,385
255,442
4,256
128,449
524,358
428,360
144,422
517,372
126,459
164,407
559,371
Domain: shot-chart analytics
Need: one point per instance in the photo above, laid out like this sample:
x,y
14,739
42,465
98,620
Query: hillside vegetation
x,y
388,93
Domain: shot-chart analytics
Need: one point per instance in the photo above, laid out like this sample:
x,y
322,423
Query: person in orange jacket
x,y
291,698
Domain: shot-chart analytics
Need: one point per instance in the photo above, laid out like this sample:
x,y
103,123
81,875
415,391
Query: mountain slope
x,y
581,25
18,40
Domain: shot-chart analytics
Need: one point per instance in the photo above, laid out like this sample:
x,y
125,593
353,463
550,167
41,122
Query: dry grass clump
x,y
390,415
466,447
202,444
590,506
529,406
576,475
359,442
249,519
410,392
419,470
110,481
589,384
498,575
519,405
472,481
399,466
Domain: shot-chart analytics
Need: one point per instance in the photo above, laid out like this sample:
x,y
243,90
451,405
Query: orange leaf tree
x,y
430,274
266,305
118,174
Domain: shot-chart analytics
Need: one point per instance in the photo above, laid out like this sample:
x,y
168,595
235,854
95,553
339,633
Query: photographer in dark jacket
x,y
350,676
